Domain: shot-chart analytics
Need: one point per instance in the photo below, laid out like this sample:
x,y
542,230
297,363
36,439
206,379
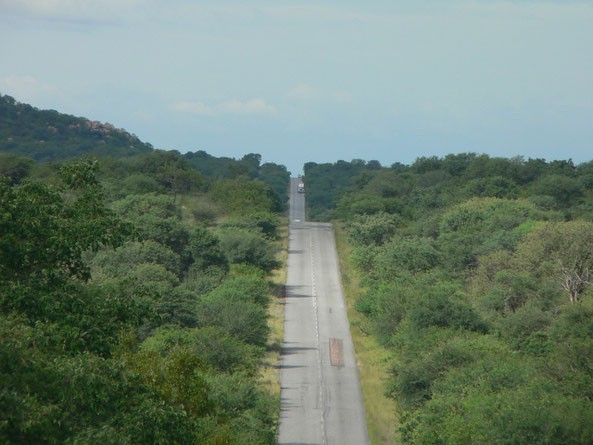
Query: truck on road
x,y
301,188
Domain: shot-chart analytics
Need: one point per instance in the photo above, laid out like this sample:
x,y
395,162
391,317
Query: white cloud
x,y
253,106
26,88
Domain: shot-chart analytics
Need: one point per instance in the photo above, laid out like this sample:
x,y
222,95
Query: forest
x,y
476,275
135,295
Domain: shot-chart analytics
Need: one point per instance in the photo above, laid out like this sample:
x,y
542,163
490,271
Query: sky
x,y
300,81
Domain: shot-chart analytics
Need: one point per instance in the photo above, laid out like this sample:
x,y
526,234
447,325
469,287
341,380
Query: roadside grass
x,y
371,357
269,372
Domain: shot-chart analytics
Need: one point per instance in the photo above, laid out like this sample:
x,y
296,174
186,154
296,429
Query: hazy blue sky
x,y
316,81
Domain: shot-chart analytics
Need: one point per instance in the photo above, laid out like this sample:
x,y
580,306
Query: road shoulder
x,y
372,359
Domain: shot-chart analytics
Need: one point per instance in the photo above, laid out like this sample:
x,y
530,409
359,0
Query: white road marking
x,y
316,315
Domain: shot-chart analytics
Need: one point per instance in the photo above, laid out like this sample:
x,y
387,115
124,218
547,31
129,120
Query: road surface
x,y
321,400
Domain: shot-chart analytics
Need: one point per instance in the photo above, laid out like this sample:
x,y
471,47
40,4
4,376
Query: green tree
x,y
205,250
55,398
243,320
14,167
483,225
496,187
564,190
156,218
564,250
412,254
277,177
44,234
214,344
241,246
120,261
265,223
373,229
242,195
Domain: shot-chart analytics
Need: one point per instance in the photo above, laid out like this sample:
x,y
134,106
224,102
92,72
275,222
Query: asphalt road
x,y
321,397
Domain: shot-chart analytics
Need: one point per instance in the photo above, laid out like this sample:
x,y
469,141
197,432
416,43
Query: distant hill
x,y
47,135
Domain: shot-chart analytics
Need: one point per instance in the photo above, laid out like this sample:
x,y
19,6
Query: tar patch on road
x,y
336,352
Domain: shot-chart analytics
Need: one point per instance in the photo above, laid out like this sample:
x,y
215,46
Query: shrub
x,y
215,345
373,229
244,289
412,254
437,309
241,319
241,246
121,261
265,223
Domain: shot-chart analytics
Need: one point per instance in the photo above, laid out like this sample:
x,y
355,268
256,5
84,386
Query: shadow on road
x,y
295,350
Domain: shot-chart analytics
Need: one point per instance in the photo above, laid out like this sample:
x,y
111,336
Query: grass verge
x,y
371,357
269,373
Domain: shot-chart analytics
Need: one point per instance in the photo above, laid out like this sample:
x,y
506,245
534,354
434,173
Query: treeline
x,y
327,182
434,183
477,277
275,175
133,301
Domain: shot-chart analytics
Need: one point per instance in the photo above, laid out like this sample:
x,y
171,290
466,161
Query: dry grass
x,y
372,358
269,374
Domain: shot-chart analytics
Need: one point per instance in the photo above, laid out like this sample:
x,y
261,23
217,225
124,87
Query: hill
x,y
47,135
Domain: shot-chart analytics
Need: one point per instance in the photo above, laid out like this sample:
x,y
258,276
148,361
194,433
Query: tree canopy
x,y
121,319
475,275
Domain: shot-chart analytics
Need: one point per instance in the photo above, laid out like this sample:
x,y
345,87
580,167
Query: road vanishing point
x,y
321,399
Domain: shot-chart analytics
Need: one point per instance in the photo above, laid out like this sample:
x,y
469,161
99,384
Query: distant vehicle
x,y
301,188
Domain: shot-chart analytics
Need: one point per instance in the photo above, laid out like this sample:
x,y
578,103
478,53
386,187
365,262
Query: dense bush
x,y
124,325
477,280
243,246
